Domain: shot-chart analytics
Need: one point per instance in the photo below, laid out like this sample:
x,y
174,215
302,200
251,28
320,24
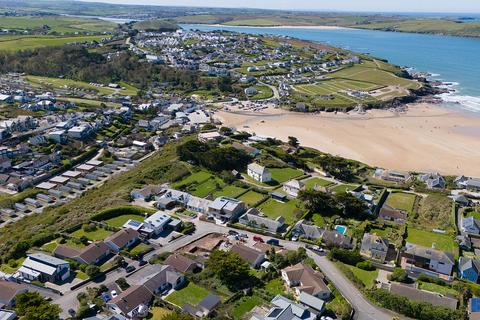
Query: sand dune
x,y
426,138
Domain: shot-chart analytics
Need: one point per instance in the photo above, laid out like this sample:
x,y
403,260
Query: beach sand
x,y
283,27
426,138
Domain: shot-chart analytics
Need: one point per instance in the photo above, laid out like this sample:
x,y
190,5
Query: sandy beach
x,y
284,27
426,138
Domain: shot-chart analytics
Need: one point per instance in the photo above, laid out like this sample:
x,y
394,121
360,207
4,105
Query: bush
x,y
365,265
122,283
90,227
399,275
92,271
345,256
425,278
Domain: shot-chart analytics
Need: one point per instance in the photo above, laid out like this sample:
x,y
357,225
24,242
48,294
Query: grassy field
x,y
284,174
435,211
424,238
71,84
432,287
342,188
274,209
196,177
264,92
158,313
90,103
229,191
191,294
312,182
368,277
98,234
119,221
140,248
204,189
58,24
402,201
17,43
251,197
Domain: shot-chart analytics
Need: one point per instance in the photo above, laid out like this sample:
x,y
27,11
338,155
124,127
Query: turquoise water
x,y
341,229
451,59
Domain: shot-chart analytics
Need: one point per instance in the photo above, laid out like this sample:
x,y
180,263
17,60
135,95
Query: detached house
x,y
388,213
285,309
307,231
253,256
293,187
132,303
304,279
42,267
468,269
259,173
8,292
428,261
122,239
433,180
226,209
471,225
94,253
374,247
254,219
163,278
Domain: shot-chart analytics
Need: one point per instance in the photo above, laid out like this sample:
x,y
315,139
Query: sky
x,y
464,6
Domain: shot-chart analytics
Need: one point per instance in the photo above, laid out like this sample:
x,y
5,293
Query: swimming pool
x,y
341,229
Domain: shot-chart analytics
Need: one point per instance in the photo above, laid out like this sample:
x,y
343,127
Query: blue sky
x,y
465,6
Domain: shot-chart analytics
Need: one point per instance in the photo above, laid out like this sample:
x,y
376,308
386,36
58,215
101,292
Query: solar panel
x,y
475,304
134,223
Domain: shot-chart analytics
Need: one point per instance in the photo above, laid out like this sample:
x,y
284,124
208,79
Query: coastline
x,y
425,138
281,27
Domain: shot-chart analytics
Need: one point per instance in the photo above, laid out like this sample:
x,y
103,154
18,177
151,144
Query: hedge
x,y
120,211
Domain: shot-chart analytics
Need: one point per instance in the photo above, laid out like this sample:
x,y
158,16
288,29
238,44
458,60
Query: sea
x,y
452,60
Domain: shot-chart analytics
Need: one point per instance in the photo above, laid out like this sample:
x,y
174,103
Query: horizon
x,y
430,7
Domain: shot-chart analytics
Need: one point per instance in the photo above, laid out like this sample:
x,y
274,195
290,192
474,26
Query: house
x,y
8,292
461,200
209,136
131,303
306,280
464,242
204,307
254,219
146,192
474,308
473,184
181,263
162,279
428,261
42,267
122,239
312,302
417,295
388,213
253,256
226,209
374,247
7,314
293,187
156,223
468,269
392,175
471,225
197,204
307,231
251,151
95,253
259,173
285,309
334,238
433,180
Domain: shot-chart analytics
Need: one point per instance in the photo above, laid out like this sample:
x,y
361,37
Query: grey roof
x,y
311,301
45,258
471,221
308,230
372,240
295,310
255,167
467,263
210,302
430,254
252,216
423,296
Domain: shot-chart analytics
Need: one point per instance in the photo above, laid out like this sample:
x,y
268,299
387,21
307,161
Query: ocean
x,y
455,60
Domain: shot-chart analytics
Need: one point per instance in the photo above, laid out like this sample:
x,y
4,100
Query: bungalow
x,y
374,247
293,187
156,223
253,256
388,213
251,151
204,307
306,280
471,225
94,253
163,278
285,309
259,173
391,175
253,218
132,303
433,180
146,192
181,263
334,238
42,267
122,239
307,231
226,209
468,269
428,261
473,184
8,292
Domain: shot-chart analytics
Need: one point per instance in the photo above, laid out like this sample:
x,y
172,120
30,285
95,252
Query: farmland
x,y
17,43
56,24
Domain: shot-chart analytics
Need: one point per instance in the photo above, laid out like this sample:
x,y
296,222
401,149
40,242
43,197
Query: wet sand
x,y
425,138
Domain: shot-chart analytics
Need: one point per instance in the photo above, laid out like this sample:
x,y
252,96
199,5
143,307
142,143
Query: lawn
x,y
311,183
432,287
245,305
284,174
140,249
368,277
197,177
343,188
402,201
264,92
275,286
251,197
158,313
81,275
119,221
435,211
229,191
9,269
49,247
16,43
443,242
191,294
274,209
98,234
90,103
204,189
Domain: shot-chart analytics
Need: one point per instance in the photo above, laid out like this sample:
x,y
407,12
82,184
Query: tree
x,y
351,205
317,201
92,271
229,268
32,306
399,275
293,141
122,283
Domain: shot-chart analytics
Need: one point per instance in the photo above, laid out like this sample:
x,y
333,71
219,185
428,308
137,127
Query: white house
x,y
156,223
293,187
259,173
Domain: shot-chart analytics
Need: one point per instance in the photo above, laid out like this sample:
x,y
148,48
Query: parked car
x,y
232,233
106,297
142,263
72,312
130,269
114,294
258,239
273,242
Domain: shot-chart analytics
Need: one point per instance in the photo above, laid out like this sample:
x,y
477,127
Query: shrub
x,y
399,275
365,265
345,256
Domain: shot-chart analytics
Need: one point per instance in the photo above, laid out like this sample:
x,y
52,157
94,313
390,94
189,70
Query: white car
x,y
114,294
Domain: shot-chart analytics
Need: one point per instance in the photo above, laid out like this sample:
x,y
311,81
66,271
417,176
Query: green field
x,y
58,24
196,177
16,43
264,92
119,221
90,103
343,188
402,201
140,249
312,182
444,242
229,191
432,287
98,234
191,294
205,188
368,277
71,84
274,209
251,197
284,174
